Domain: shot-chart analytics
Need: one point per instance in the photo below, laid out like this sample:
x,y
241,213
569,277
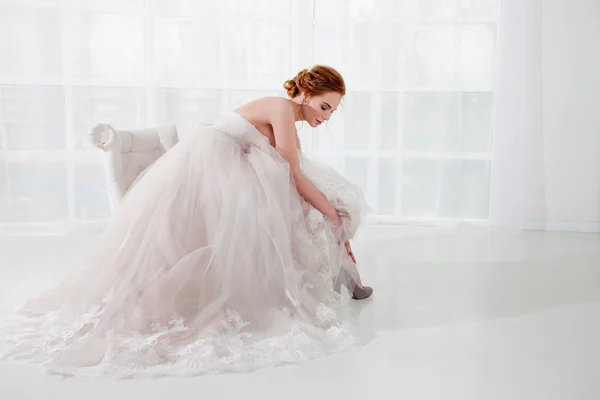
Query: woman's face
x,y
318,109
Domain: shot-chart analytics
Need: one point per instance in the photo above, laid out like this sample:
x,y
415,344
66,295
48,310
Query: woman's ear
x,y
305,98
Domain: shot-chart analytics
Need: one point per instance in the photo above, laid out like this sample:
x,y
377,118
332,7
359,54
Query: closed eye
x,y
328,107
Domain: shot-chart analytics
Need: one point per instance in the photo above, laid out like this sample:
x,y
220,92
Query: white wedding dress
x,y
212,263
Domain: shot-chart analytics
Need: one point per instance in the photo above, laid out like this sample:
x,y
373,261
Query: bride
x,y
230,253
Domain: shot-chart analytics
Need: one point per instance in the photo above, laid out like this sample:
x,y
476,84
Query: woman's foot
x,y
358,292
362,292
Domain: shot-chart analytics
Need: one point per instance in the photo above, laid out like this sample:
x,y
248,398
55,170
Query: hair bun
x,y
292,88
317,80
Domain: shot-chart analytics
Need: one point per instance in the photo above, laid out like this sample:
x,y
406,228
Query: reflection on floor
x,y
458,314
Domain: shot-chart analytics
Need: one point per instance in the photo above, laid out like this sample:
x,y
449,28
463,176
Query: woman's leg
x,y
350,265
350,277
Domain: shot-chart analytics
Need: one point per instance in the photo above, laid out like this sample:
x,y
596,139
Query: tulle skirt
x,y
212,263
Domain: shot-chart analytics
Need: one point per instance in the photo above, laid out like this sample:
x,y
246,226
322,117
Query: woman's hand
x,y
335,220
343,214
350,252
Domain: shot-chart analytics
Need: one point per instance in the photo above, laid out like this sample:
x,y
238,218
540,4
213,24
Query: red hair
x,y
315,81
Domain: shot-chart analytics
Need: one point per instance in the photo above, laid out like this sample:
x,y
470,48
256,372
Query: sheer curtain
x,y
518,174
415,130
416,126
546,173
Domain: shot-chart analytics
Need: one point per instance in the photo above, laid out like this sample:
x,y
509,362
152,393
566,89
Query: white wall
x,y
570,197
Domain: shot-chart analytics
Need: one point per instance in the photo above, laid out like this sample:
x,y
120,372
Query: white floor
x,y
459,314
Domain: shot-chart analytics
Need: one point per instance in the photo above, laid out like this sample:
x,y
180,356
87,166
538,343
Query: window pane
x,y
108,46
38,192
30,43
51,3
328,9
420,187
123,6
329,45
435,59
34,117
349,48
357,121
389,121
478,8
451,56
405,9
476,59
355,171
262,8
91,194
429,118
187,52
476,124
258,54
399,60
123,108
186,108
387,186
465,189
188,9
458,8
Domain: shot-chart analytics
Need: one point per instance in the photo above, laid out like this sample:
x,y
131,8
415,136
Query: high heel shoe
x,y
362,292
358,292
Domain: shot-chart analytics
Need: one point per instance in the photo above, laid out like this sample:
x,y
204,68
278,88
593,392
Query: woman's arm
x,y
298,144
287,144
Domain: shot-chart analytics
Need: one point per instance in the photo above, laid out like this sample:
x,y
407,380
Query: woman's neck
x,y
297,104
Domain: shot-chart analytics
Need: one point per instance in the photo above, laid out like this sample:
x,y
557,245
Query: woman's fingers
x,y
343,214
350,252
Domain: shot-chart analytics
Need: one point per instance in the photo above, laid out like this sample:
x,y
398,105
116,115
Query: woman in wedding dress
x,y
230,253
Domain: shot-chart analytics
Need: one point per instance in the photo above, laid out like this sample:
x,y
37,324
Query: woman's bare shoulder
x,y
266,109
277,105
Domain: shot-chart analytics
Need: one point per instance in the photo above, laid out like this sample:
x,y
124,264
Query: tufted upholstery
x,y
128,153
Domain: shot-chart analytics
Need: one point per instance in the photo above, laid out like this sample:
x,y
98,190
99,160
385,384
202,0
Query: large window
x,y
414,130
